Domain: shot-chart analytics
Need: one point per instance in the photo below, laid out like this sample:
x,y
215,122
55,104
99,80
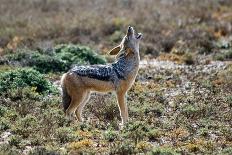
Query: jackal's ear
x,y
115,50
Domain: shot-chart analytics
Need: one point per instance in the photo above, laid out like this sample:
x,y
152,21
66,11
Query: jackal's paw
x,y
121,125
70,117
80,119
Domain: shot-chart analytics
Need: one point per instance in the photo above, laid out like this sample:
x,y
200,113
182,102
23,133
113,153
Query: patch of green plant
x,y
188,59
124,148
224,56
21,78
3,110
77,54
227,151
207,84
229,101
4,124
41,62
26,126
7,149
110,135
15,140
219,57
64,134
154,134
11,114
53,117
223,44
136,131
204,132
163,151
205,46
60,59
190,110
157,110
43,151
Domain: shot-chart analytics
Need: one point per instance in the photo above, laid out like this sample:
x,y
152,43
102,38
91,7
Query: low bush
x,y
227,151
163,151
226,76
123,148
136,131
78,54
188,59
15,140
20,78
61,58
224,56
43,151
26,125
64,134
110,135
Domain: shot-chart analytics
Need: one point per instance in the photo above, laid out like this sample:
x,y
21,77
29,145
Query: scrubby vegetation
x,y
21,78
61,58
159,124
181,102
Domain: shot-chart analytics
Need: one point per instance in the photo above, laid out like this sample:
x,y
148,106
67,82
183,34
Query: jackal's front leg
x,y
122,106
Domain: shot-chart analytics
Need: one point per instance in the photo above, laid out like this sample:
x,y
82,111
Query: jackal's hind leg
x,y
77,99
81,106
122,107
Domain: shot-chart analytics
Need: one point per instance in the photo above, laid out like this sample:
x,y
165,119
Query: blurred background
x,y
169,26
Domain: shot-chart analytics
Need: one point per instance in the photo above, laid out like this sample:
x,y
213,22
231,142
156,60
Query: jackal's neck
x,y
126,65
132,60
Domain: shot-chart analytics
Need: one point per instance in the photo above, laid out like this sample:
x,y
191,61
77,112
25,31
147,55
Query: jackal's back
x,y
99,72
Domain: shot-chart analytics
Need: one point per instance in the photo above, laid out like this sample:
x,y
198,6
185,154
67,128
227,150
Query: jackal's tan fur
x,y
118,77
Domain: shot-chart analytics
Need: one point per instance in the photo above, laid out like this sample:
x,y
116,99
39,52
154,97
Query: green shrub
x,y
163,151
229,100
227,151
7,149
157,110
27,94
21,78
61,59
26,126
224,56
11,114
15,140
136,131
110,135
154,134
123,148
219,57
77,54
3,110
41,62
190,110
64,134
43,151
188,59
4,124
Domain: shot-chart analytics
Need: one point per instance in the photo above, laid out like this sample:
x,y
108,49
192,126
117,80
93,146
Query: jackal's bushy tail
x,y
66,99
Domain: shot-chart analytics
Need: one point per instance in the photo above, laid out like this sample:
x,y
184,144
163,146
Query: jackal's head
x,y
129,43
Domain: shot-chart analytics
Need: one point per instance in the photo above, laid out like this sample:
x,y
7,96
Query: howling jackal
x,y
119,76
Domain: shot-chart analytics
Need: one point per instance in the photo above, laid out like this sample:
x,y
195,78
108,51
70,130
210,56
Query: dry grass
x,y
47,22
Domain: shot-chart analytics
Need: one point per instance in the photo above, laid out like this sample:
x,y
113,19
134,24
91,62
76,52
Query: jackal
x,y
78,83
